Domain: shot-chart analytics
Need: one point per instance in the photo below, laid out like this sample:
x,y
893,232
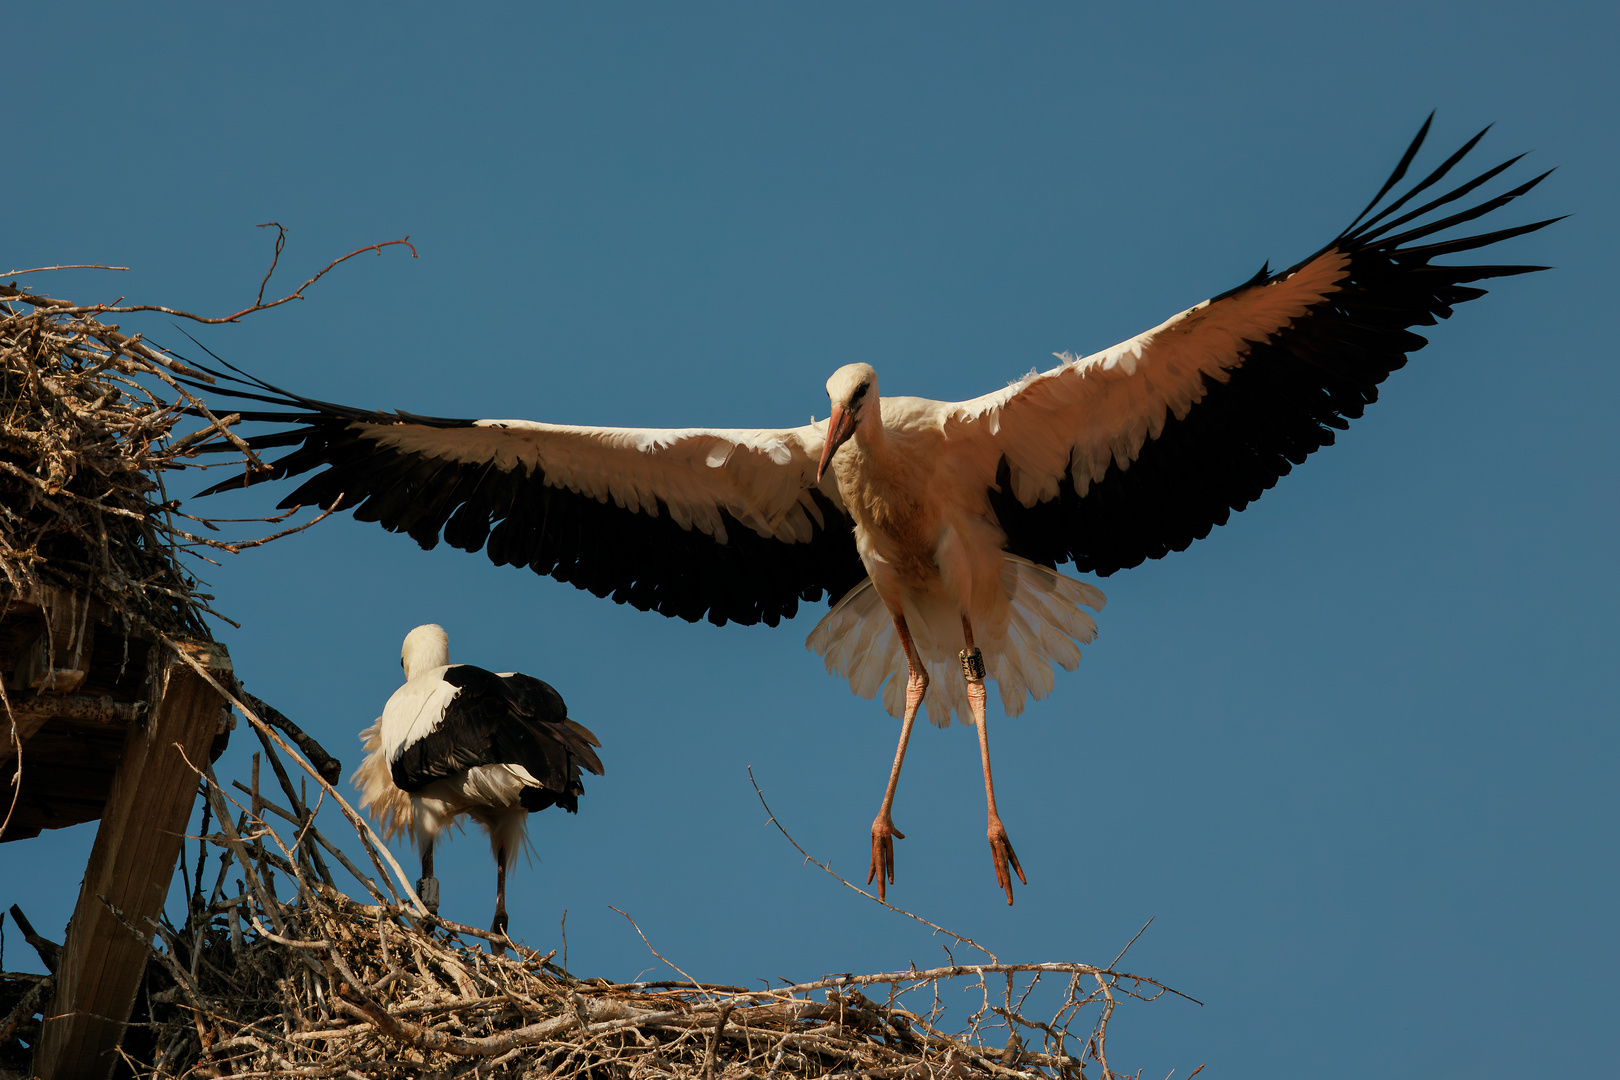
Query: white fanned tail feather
x,y
1045,626
389,807
488,794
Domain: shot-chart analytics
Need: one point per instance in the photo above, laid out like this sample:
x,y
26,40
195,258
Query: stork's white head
x,y
853,391
426,647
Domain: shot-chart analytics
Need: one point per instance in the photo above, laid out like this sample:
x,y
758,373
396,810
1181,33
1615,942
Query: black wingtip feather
x,y
1400,168
1434,177
1366,232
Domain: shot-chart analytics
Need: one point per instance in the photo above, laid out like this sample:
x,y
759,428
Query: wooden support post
x,y
130,866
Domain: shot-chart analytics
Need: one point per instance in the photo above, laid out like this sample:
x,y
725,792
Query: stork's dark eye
x,y
860,392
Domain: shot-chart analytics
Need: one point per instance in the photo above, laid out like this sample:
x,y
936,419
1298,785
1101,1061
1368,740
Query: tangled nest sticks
x,y
82,450
319,984
89,417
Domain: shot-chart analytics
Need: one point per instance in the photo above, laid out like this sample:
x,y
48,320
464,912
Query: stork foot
x,y
1001,853
427,888
498,927
884,835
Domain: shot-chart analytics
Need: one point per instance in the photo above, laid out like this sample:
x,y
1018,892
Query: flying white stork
x,y
938,524
457,739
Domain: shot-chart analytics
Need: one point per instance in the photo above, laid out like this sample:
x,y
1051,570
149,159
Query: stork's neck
x,y
424,650
871,438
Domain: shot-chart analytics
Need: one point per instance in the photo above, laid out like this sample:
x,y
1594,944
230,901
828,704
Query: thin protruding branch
x,y
61,266
50,953
649,945
281,245
1131,942
812,859
62,307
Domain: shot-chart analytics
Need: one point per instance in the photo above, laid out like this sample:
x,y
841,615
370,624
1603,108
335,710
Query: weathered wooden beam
x,y
130,868
33,715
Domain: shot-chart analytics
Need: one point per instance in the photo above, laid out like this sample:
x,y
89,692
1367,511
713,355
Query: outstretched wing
x,y
1139,450
691,522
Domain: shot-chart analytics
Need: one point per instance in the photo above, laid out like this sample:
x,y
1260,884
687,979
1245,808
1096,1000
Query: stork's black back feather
x,y
503,720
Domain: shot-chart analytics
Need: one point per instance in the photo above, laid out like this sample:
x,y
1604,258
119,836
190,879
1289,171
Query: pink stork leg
x,y
1001,851
883,830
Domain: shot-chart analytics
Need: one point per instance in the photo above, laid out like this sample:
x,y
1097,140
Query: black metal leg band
x,y
973,664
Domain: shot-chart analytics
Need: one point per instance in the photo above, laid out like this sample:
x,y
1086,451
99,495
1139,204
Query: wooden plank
x,y
68,770
130,866
29,717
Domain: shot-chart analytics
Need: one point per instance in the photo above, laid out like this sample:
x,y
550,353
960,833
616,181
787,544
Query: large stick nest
x,y
88,434
277,972
88,417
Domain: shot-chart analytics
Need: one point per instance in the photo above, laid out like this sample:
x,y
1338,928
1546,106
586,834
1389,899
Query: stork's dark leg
x,y
427,886
1001,851
499,925
883,830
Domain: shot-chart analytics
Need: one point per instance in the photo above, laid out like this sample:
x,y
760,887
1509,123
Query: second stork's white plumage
x,y
939,524
458,740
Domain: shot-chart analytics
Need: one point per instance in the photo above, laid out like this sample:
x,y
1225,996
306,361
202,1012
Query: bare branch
x,y
650,948
811,859
61,307
281,245
61,266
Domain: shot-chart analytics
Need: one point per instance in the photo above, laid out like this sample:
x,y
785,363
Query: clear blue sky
x,y
1356,751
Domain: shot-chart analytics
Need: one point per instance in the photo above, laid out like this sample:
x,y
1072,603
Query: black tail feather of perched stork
x,y
458,740
939,524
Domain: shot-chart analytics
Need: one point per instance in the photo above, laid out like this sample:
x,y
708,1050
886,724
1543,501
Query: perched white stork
x,y
457,739
938,524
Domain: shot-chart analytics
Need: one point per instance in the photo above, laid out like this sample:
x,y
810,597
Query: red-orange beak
x,y
840,426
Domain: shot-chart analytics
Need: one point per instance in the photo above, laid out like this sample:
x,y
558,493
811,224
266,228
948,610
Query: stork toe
x,y
1002,854
883,836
